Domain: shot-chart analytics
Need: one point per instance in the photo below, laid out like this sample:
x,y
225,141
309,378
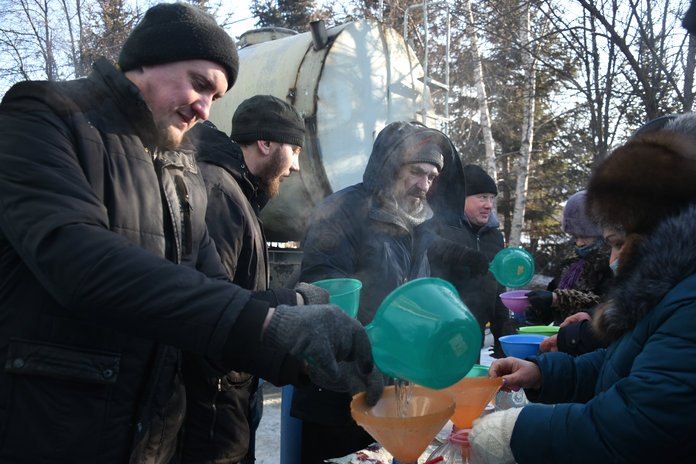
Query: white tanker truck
x,y
348,82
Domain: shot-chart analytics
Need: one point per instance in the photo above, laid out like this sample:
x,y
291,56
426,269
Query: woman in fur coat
x,y
633,402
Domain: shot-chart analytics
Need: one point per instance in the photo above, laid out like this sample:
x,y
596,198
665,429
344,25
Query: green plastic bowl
x,y
424,333
539,330
478,370
513,267
343,292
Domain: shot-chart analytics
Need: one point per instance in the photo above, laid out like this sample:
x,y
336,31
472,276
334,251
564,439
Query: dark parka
x,y
634,401
357,233
95,222
479,292
219,414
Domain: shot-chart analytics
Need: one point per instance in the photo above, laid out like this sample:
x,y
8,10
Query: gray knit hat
x,y
172,32
425,152
576,220
265,117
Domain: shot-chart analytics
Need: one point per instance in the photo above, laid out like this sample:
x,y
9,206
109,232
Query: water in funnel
x,y
406,438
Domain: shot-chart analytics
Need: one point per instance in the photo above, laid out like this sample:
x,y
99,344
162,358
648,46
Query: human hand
x,y
349,380
335,345
549,344
455,260
577,317
490,436
311,294
516,374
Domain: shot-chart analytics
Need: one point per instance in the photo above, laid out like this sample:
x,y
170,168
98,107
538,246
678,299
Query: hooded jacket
x,y
358,233
478,291
636,398
105,260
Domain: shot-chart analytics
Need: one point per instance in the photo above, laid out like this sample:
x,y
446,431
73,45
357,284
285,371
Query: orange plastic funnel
x,y
472,394
404,437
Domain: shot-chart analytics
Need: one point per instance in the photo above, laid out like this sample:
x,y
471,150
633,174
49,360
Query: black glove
x,y
312,294
539,310
350,381
453,261
335,345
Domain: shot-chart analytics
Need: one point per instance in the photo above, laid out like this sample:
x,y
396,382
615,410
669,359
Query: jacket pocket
x,y
58,404
26,357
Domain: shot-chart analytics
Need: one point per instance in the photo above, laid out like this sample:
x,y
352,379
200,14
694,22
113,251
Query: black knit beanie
x,y
265,117
476,181
172,32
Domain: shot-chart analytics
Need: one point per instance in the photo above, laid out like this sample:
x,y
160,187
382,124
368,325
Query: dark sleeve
x,y
59,227
578,338
330,248
224,216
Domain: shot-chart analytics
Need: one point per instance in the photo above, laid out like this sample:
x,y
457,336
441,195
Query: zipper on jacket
x,y
186,209
214,408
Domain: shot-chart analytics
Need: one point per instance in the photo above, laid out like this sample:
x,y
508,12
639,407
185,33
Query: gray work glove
x,y
312,294
335,345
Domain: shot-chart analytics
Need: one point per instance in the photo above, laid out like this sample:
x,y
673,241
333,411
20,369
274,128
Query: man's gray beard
x,y
418,216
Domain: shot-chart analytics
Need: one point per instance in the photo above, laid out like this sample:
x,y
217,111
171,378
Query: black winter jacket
x,y
478,292
219,418
95,224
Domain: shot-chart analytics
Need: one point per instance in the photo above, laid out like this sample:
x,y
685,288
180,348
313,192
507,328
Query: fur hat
x,y
643,181
575,219
476,181
265,117
172,32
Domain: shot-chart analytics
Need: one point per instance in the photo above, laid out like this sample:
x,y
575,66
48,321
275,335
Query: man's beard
x,y
417,212
269,176
408,204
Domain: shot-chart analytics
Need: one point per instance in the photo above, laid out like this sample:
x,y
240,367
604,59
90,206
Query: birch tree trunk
x,y
481,96
527,130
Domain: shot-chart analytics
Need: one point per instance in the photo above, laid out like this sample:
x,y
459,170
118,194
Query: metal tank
x,y
348,82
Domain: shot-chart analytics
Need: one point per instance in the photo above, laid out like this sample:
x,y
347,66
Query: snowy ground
x,y
268,434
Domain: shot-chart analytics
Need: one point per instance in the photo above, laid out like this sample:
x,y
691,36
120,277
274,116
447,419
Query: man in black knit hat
x,y
472,239
109,273
242,173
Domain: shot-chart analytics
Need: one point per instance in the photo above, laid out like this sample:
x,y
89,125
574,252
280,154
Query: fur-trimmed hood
x,y
650,268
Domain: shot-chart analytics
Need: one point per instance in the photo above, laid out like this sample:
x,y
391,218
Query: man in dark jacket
x,y
465,244
108,269
240,178
367,232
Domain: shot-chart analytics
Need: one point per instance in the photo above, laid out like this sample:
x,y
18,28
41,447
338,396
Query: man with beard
x,y
368,232
240,178
109,273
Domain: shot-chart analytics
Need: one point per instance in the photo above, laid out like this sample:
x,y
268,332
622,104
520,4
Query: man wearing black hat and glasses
x,y
242,173
109,271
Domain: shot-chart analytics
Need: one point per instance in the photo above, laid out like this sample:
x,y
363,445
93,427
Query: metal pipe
x,y
319,36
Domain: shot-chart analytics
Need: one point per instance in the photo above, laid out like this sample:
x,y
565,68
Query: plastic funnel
x,y
424,333
406,438
472,395
343,292
513,267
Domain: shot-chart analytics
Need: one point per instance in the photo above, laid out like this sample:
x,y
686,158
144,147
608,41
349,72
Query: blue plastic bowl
x,y
521,345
